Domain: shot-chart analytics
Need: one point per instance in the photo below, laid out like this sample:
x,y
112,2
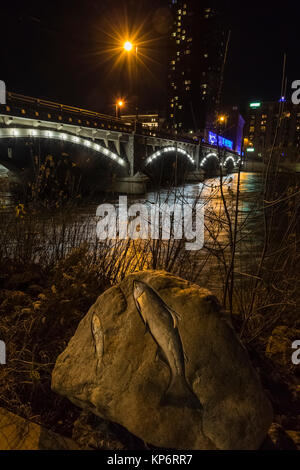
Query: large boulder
x,y
185,382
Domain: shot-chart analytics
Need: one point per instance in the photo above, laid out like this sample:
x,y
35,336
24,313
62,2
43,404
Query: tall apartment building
x,y
198,41
260,128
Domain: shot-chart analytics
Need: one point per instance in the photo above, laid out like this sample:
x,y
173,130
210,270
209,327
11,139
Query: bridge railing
x,y
18,101
16,98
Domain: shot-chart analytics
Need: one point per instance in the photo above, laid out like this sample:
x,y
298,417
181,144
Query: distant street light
x,y
119,105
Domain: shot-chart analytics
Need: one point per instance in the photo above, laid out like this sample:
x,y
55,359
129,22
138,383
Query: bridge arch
x,y
229,162
164,150
207,157
61,136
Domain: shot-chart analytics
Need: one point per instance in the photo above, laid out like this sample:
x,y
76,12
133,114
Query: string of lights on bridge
x,y
62,136
169,149
214,155
47,134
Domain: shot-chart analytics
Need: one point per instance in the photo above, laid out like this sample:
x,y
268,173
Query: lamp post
x,y
119,105
129,47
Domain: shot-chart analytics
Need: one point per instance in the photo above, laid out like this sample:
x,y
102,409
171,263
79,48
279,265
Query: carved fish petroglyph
x,y
98,337
162,322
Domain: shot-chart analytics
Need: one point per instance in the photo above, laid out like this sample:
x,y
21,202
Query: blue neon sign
x,y
214,138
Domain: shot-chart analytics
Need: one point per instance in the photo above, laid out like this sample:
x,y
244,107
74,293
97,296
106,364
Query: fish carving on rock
x,y
98,338
162,322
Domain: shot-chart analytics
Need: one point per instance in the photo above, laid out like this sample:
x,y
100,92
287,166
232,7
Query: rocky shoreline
x,y
35,305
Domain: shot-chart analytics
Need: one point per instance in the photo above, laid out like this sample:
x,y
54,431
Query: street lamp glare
x,y
120,103
128,46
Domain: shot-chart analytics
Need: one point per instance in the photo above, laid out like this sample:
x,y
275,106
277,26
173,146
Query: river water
x,y
205,266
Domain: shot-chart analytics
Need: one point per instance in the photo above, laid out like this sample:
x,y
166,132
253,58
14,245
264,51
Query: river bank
x,y
53,269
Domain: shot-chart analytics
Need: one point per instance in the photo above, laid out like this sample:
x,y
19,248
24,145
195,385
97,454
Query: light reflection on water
x,y
207,192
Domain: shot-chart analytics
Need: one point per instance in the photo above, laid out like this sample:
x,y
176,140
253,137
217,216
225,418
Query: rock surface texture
x,y
122,369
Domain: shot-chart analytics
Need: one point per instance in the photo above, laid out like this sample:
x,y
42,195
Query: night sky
x,y
66,50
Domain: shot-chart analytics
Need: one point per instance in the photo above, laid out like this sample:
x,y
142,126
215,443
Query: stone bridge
x,y
130,150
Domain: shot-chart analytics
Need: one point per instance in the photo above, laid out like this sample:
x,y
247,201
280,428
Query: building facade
x,y
197,47
260,129
228,124
150,121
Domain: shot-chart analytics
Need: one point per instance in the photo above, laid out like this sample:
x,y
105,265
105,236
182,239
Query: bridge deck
x,y
39,109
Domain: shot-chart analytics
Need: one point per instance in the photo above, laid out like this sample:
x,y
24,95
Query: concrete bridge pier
x,y
198,174
136,181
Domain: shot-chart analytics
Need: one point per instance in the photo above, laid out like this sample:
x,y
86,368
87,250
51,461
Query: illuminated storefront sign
x,y
214,138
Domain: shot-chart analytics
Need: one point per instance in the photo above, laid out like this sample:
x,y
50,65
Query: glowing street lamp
x,y
128,46
119,105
